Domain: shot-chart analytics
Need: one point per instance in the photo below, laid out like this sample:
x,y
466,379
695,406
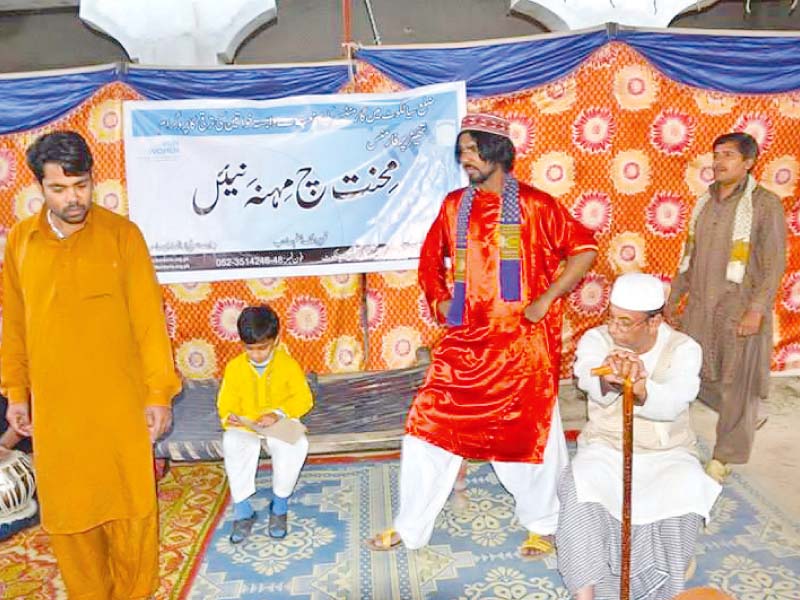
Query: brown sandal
x,y
383,541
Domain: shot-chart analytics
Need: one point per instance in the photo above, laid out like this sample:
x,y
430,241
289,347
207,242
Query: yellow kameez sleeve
x,y
229,398
14,379
146,307
295,397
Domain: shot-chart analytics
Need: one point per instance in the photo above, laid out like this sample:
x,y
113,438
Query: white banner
x,y
311,185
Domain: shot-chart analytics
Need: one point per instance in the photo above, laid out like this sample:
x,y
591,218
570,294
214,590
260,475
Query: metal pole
x,y
372,23
347,35
365,317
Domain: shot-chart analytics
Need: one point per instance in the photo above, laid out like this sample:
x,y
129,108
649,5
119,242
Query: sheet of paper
x,y
286,430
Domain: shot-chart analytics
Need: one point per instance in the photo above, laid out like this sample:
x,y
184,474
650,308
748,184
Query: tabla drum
x,y
17,486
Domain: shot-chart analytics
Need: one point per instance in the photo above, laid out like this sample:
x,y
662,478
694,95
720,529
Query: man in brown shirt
x,y
732,265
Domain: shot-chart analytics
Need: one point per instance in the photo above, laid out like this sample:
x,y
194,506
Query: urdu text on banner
x,y
310,185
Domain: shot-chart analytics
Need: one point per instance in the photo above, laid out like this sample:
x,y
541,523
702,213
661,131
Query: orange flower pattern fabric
x,y
623,147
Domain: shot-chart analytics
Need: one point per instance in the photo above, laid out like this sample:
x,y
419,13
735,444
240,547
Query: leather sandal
x,y
242,528
278,524
383,541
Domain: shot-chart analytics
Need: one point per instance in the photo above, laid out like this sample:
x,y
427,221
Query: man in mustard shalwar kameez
x,y
87,367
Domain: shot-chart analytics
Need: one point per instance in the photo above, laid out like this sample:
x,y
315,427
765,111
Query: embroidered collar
x,y
508,243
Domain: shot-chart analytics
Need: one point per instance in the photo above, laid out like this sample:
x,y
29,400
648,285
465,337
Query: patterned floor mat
x,y
750,549
191,499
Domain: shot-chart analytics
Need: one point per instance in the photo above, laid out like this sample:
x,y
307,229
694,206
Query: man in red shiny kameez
x,y
491,390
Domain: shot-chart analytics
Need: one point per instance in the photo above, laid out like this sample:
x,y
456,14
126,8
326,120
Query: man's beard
x,y
477,177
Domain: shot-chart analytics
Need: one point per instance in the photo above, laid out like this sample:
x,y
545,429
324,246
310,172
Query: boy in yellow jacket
x,y
262,386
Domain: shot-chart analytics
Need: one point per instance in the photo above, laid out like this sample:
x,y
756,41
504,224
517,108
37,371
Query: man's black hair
x,y
66,148
258,324
492,148
746,143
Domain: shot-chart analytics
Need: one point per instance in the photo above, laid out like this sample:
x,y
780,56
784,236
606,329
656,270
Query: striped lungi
x,y
588,540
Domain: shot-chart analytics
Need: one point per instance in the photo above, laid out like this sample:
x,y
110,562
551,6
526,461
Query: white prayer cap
x,y
638,291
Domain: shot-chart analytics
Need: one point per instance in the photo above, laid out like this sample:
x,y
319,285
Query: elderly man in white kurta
x,y
671,494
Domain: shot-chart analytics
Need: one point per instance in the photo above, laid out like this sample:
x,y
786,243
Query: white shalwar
x,y
666,483
241,450
427,475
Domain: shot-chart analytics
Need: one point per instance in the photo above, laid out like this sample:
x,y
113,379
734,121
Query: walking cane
x,y
627,470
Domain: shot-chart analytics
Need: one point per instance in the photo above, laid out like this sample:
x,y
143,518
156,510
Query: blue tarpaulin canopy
x,y
749,63
723,61
29,101
235,82
488,69
740,64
